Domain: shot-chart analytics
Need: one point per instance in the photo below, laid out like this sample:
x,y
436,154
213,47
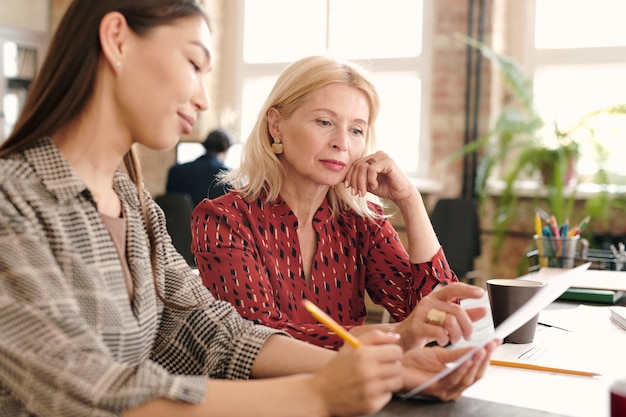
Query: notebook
x,y
592,295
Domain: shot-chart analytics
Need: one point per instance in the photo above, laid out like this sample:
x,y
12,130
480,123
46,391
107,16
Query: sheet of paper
x,y
584,318
618,316
567,395
594,279
554,348
560,280
592,343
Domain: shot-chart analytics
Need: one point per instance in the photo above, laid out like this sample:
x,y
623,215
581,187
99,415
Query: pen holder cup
x,y
560,251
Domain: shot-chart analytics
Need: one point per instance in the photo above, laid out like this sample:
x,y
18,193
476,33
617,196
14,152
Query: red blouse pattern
x,y
248,254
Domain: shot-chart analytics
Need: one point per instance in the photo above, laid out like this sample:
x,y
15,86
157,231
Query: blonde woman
x,y
304,220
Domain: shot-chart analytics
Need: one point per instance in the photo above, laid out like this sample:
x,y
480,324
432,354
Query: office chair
x,y
456,224
178,208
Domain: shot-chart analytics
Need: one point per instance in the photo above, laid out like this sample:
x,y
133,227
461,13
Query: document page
x,y
560,280
582,339
562,394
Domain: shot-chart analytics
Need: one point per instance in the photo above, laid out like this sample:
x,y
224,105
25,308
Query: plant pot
x,y
548,171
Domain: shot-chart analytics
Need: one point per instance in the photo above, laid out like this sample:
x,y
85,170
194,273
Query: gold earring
x,y
277,147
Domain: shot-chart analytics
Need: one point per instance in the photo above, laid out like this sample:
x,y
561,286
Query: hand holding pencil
x,y
373,371
420,364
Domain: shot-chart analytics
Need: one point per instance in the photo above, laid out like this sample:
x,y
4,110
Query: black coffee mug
x,y
506,296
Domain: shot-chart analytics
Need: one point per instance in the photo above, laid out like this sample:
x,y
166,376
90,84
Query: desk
x,y
476,401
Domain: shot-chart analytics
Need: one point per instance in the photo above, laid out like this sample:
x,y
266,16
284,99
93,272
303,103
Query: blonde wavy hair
x,y
260,171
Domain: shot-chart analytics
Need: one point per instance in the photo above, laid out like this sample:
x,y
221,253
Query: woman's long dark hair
x,y
65,82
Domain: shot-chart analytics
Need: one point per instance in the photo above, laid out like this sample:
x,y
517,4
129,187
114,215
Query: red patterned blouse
x,y
248,254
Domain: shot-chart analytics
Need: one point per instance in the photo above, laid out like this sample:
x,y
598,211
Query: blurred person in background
x,y
198,178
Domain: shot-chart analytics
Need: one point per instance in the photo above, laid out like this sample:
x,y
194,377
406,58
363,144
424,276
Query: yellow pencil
x,y
330,323
541,368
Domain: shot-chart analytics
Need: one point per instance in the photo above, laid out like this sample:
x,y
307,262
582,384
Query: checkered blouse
x,y
71,342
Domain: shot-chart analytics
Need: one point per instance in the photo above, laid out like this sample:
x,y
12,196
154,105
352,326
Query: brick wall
x,y
448,89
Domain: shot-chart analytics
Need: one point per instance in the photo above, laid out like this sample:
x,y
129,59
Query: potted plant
x,y
515,147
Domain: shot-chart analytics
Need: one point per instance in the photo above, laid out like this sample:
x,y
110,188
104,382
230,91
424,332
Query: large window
x,y
576,50
387,37
20,52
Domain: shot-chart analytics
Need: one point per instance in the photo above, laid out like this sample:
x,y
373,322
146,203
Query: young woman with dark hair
x,y
99,315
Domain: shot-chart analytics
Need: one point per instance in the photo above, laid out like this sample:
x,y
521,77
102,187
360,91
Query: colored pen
x,y
539,233
330,323
538,224
547,231
549,248
541,368
554,225
583,223
564,230
555,232
543,214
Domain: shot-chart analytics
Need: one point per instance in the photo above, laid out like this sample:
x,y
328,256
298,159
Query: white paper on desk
x,y
561,394
556,348
592,279
560,281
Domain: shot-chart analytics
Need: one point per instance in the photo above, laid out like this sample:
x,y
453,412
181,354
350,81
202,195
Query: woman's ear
x,y
113,33
273,122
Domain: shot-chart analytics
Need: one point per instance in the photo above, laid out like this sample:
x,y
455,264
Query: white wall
x,y
28,14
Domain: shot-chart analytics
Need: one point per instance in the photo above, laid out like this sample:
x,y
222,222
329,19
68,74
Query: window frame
x,y
421,64
533,59
26,38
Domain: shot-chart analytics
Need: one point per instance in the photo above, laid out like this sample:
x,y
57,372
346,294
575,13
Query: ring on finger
x,y
370,161
436,317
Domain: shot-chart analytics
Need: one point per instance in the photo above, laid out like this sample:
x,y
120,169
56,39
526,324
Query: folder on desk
x,y
591,295
593,286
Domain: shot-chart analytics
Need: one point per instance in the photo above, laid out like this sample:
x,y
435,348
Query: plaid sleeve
x,y
53,361
209,339
213,340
